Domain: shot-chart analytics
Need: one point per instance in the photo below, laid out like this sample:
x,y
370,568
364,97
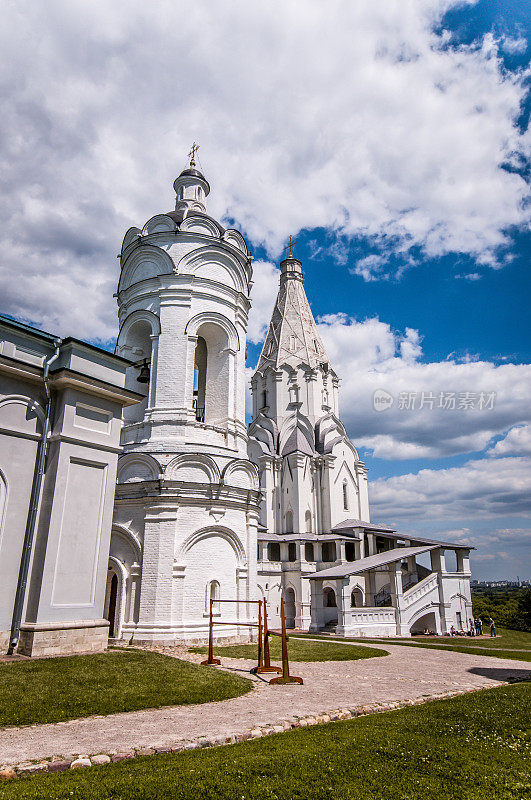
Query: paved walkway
x,y
406,674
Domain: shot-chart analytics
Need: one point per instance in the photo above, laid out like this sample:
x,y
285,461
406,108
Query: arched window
x,y
292,343
356,598
345,496
200,371
215,362
329,598
308,521
288,522
264,398
212,594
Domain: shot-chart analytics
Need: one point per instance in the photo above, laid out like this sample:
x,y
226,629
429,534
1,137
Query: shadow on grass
x,y
502,674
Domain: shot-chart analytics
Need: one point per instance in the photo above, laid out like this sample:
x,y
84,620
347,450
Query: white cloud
x,y
368,356
355,117
482,488
517,442
263,294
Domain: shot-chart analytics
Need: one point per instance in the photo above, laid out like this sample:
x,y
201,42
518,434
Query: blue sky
x,y
389,138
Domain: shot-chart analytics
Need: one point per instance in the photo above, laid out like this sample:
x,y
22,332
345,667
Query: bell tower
x,y
187,495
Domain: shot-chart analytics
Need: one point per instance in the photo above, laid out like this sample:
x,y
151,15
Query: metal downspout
x,y
38,473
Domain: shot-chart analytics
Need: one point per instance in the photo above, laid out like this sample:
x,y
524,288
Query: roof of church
x,y
292,337
371,562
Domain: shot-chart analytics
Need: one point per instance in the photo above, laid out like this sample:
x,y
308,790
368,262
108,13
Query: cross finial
x,y
290,246
191,154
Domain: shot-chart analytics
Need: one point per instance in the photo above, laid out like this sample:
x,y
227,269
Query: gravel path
x,y
406,674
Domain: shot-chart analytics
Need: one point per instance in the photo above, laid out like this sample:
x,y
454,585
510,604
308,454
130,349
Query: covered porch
x,y
386,594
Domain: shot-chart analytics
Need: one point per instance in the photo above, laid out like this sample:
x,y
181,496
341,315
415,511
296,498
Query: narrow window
x,y
289,522
308,551
315,345
345,496
308,521
292,343
292,551
212,594
200,368
264,398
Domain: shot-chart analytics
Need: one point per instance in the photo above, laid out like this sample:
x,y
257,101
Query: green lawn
x,y
56,689
472,747
499,647
298,650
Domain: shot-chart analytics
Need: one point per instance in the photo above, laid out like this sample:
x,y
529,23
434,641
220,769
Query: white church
x,y
165,498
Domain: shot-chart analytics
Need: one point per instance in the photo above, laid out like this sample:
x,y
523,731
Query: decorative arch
x,y
130,237
193,467
214,530
235,238
212,592
29,405
199,223
141,315
215,264
214,318
144,262
136,467
130,538
160,223
230,477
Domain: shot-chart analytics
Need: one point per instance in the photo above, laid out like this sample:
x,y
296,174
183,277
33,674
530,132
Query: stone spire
x,y
292,337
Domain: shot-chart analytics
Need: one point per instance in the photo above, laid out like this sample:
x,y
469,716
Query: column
x,y
157,569
343,606
317,608
395,582
438,565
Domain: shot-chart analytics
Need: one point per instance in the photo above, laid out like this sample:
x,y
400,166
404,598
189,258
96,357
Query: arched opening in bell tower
x,y
213,371
137,347
200,374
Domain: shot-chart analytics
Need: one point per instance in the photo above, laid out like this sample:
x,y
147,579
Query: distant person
x,y
452,631
479,623
492,627
471,628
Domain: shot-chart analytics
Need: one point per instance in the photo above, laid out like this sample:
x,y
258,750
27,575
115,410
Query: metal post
x,y
266,663
211,660
260,665
285,677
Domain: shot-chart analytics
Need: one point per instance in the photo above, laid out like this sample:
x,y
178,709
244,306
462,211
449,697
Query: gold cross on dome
x,y
290,245
191,154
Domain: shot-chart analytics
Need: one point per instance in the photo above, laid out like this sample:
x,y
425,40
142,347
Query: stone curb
x,y
82,760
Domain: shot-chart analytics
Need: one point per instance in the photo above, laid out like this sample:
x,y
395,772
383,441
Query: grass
x,y
499,647
57,689
472,747
298,650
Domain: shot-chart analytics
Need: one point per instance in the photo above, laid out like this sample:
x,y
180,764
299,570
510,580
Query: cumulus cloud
x,y
517,442
263,295
482,488
439,409
364,119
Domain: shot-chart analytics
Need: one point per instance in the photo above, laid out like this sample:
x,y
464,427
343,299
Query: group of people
x,y
475,628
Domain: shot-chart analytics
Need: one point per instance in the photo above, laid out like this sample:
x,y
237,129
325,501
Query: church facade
x,y
204,508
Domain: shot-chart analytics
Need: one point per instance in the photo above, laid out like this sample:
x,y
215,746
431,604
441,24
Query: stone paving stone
x,y
99,759
80,762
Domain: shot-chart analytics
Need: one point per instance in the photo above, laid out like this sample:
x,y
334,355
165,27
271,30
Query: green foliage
x,y
509,606
56,689
472,747
298,650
